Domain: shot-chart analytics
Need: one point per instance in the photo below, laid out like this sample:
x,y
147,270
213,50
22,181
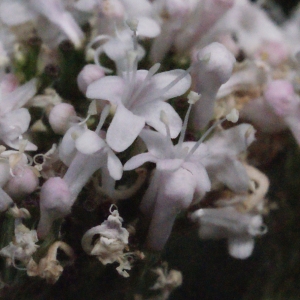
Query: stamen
x,y
164,119
93,108
193,97
103,116
175,81
204,137
150,73
97,54
232,117
133,24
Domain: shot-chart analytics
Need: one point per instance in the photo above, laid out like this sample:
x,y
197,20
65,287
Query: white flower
x,y
16,12
238,228
140,97
176,182
14,120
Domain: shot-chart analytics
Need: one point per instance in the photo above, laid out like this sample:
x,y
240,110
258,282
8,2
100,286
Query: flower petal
x,y
109,88
157,144
138,160
114,166
152,111
14,124
164,79
240,247
15,12
89,142
124,129
148,27
67,149
203,184
18,97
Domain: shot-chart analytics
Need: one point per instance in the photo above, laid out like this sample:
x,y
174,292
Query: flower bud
x,y
60,116
87,75
55,203
280,95
23,183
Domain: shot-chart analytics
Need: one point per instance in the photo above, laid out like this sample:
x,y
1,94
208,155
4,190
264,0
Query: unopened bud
x,y
60,117
87,75
22,184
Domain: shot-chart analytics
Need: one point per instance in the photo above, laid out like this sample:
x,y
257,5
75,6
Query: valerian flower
x,y
186,23
252,28
276,110
14,120
178,180
238,228
237,216
84,152
113,13
222,163
140,96
16,12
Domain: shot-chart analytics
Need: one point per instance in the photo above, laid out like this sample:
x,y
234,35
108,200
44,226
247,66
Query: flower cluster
x,y
139,66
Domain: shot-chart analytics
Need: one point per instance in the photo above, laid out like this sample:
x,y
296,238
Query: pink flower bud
x,y
280,95
23,183
60,116
213,68
87,75
273,52
55,203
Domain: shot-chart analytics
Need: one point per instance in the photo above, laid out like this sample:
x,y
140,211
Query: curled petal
x,y
138,160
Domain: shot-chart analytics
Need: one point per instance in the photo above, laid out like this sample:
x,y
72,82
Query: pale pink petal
x,y
124,129
14,123
138,160
240,247
175,193
67,149
15,12
152,111
201,177
162,80
148,27
114,166
157,144
54,11
18,97
89,142
109,88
